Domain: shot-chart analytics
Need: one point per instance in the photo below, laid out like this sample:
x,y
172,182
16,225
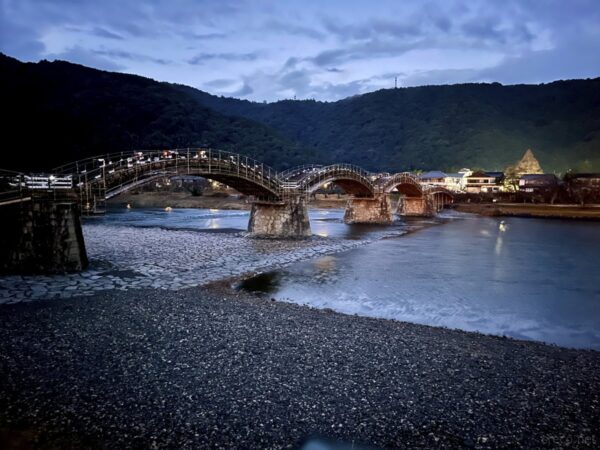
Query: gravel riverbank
x,y
211,368
128,257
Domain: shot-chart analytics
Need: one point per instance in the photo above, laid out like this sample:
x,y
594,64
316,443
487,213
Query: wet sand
x,y
215,368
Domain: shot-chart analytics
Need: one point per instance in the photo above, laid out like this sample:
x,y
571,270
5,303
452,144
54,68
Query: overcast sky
x,y
327,50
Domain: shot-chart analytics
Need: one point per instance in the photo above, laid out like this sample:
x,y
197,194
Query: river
x,y
530,279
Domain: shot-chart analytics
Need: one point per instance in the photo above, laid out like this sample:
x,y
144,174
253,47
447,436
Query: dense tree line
x,y
58,112
442,127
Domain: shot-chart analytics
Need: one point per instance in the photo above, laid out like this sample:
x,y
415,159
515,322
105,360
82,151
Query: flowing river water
x,y
525,278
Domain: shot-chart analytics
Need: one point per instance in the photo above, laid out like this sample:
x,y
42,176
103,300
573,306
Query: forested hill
x,y
442,127
57,112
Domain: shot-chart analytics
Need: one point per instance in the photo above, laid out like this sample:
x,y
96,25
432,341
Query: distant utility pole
x,y
396,83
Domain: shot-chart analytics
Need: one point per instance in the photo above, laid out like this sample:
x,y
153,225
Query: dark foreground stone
x,y
194,369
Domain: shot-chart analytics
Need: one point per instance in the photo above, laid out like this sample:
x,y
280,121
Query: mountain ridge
x,y
445,126
75,111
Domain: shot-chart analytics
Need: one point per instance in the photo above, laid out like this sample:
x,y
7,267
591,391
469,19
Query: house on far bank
x,y
583,187
433,178
583,180
538,182
452,181
484,182
456,182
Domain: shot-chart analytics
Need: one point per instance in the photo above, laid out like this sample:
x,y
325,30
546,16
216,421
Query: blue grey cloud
x,y
220,83
201,58
103,32
87,58
327,50
124,55
245,90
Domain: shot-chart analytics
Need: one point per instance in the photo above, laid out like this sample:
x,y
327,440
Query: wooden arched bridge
x,y
279,198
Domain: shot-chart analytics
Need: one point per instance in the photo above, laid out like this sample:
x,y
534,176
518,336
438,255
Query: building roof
x,y
584,175
432,174
480,174
495,174
455,175
539,177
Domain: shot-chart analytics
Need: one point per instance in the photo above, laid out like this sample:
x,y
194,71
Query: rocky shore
x,y
212,368
127,258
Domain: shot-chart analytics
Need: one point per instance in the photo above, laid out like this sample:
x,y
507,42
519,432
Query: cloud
x,y
245,90
205,36
85,57
530,67
122,54
373,28
103,32
272,50
201,58
370,49
561,62
491,30
292,29
21,41
220,83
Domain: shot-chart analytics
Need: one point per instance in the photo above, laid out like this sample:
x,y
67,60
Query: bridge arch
x,y
405,183
352,179
104,176
439,197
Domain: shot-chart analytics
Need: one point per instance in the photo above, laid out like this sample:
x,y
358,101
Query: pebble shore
x,y
126,258
213,368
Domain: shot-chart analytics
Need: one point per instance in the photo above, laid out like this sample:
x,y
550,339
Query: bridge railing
x,y
101,168
12,186
17,187
297,172
321,174
386,183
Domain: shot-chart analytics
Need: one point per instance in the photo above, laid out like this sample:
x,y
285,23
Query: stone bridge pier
x,y
416,206
42,234
375,210
283,219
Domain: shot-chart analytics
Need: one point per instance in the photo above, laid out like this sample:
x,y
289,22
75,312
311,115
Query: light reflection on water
x,y
183,218
528,279
325,223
